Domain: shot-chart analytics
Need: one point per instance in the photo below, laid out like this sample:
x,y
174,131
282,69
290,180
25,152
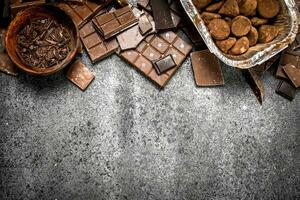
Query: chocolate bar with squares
x,y
96,47
286,90
82,13
80,75
153,48
207,69
112,23
288,57
293,74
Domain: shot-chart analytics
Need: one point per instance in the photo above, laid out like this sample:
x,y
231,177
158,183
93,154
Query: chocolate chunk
x,y
256,84
80,75
112,23
214,7
241,46
155,47
144,24
293,74
252,36
286,90
227,44
97,48
208,17
247,7
267,33
207,69
162,14
288,57
82,13
164,64
219,29
230,8
145,4
240,26
268,8
7,66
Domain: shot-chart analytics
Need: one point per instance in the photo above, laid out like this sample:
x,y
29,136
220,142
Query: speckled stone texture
x,y
125,139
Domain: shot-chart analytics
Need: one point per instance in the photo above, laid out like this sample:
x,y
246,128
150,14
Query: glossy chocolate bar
x,y
96,47
153,48
112,23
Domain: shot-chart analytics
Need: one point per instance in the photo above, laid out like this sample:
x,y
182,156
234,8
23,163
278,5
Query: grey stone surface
x,y
125,139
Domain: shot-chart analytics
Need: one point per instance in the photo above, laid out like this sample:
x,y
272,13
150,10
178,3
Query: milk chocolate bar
x,y
82,13
207,69
153,48
80,75
164,64
96,47
288,57
112,23
293,74
286,90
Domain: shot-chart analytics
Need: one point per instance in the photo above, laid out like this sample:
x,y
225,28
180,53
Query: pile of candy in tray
x,y
157,49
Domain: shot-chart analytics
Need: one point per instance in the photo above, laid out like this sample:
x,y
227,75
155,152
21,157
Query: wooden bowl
x,y
34,13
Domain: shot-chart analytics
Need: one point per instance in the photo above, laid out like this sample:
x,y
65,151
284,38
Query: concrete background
x,y
125,139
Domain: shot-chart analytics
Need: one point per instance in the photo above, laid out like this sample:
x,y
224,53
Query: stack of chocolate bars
x,y
149,38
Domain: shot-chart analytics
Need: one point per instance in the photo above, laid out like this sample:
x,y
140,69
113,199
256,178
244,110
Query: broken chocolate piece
x,y
162,15
230,8
155,47
256,84
207,69
7,66
293,74
286,90
288,57
260,69
80,75
97,48
112,23
144,24
164,64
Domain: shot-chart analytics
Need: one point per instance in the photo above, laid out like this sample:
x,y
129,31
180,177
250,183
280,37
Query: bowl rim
x,y
256,59
42,71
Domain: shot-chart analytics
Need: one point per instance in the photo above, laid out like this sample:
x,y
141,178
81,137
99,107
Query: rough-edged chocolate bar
x,y
153,48
112,23
288,57
17,6
207,69
96,47
82,13
293,74
286,90
80,75
164,64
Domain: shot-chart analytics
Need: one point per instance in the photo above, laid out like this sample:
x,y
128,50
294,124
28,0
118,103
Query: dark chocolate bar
x,y
80,75
207,69
155,47
293,74
112,23
97,48
82,13
164,64
262,68
162,14
286,90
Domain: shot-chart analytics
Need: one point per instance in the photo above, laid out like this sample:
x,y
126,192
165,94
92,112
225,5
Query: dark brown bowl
x,y
34,13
